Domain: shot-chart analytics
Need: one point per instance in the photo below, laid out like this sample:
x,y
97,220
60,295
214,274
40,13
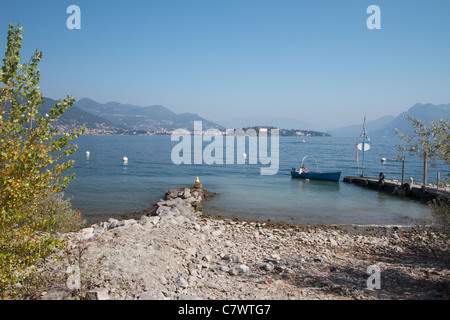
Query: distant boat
x,y
303,141
303,173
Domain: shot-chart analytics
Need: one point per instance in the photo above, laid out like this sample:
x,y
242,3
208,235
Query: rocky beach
x,y
178,253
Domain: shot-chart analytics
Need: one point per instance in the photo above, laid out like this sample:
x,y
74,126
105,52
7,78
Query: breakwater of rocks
x,y
177,253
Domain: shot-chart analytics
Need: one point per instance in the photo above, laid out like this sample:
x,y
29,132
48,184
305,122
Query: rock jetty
x,y
177,253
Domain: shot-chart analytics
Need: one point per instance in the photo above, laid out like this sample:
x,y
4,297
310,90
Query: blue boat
x,y
303,173
312,175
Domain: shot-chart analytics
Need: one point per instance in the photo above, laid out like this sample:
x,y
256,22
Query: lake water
x,y
105,187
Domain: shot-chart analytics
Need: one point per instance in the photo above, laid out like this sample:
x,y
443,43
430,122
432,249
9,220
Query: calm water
x,y
105,187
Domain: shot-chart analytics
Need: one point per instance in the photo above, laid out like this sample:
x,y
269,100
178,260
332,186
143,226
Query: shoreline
x,y
207,196
178,253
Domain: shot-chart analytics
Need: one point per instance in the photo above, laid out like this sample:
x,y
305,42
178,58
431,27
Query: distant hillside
x,y
425,112
355,130
76,118
385,126
143,119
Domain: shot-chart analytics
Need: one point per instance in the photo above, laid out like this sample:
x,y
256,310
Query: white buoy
x,y
125,159
383,160
88,153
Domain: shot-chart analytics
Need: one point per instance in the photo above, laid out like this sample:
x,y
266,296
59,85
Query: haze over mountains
x,y
386,125
117,118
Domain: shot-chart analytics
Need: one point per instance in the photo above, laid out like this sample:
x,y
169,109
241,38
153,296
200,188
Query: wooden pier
x,y
411,190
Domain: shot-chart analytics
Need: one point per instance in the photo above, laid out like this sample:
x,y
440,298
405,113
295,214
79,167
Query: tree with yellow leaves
x,y
31,162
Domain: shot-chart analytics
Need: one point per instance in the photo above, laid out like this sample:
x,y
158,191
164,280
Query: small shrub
x,y
59,212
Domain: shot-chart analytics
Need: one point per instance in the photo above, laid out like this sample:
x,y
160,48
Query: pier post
x,y
425,160
403,171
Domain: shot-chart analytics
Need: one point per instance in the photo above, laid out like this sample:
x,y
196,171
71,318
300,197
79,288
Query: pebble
x,y
98,294
243,268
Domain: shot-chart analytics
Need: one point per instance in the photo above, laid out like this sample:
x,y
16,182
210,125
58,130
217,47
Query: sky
x,y
314,62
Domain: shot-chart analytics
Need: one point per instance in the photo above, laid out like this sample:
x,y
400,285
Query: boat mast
x,y
363,145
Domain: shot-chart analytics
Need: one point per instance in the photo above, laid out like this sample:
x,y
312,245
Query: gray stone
x,y
181,219
113,223
212,285
181,282
57,294
153,221
162,210
187,193
267,266
236,258
163,280
99,230
191,251
243,268
225,256
233,272
152,295
188,297
98,294
87,234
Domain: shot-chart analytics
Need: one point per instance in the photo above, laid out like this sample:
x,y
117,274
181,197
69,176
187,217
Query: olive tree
x,y
430,142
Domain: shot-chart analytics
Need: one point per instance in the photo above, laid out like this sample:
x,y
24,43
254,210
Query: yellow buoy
x,y
197,181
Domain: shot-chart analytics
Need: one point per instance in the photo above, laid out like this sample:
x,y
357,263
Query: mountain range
x,y
117,118
386,125
154,118
76,117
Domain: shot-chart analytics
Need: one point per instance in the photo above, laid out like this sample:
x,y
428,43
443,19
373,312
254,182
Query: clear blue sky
x,y
315,61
